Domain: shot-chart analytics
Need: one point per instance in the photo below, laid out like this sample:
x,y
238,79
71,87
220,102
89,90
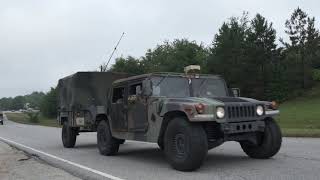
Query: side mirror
x,y
235,92
147,87
138,90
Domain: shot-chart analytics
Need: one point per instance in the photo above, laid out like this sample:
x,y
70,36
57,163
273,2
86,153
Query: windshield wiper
x,y
202,83
163,78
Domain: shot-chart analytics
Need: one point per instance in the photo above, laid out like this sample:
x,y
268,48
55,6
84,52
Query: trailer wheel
x,y
69,135
107,144
270,142
185,144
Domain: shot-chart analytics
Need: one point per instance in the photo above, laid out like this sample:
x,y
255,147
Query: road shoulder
x,y
15,164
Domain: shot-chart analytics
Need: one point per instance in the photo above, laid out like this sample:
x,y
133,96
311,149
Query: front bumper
x,y
272,112
218,133
242,127
242,117
202,118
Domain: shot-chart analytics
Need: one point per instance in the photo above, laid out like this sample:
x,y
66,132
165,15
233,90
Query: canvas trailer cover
x,y
83,90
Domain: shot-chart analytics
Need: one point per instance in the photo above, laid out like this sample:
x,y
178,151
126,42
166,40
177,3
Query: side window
x,y
118,95
134,88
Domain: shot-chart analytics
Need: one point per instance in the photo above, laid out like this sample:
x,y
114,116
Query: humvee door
x,y
119,109
137,108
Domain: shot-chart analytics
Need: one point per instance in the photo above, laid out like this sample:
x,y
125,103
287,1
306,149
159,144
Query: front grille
x,y
241,111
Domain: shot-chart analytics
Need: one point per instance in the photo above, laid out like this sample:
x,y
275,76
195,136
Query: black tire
x,y
107,144
1,122
215,144
69,135
185,144
161,146
121,141
269,145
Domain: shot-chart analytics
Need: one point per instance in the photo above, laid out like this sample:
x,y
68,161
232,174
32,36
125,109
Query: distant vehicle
x,y
186,114
1,117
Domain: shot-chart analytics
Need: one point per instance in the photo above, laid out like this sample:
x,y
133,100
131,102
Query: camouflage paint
x,y
84,95
89,94
157,107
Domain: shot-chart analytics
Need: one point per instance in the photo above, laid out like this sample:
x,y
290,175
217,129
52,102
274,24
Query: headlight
x,y
259,110
220,112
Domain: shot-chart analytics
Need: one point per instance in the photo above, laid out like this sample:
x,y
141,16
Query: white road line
x,y
63,160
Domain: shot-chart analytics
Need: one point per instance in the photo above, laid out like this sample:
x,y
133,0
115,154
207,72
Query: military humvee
x,y
187,115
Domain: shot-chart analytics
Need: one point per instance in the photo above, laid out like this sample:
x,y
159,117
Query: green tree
x,y
174,56
167,57
34,99
49,103
262,57
245,53
302,50
228,52
128,65
5,103
313,48
18,103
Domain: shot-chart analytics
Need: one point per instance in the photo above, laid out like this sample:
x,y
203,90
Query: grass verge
x,y
300,117
23,118
301,132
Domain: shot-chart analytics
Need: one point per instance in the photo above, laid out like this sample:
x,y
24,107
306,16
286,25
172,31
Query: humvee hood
x,y
229,99
235,99
213,100
196,100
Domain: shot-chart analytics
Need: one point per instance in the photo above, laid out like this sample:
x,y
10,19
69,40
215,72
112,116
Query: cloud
x,y
42,41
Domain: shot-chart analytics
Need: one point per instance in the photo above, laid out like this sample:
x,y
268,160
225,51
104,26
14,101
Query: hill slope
x,y
301,116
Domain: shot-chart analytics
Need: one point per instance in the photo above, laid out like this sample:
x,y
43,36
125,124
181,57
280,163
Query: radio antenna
x,y
115,48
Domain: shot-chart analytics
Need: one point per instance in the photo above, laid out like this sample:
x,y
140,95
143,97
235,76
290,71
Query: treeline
x,y
246,53
32,100
45,102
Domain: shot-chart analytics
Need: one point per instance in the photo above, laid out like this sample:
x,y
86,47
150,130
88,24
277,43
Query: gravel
x,y
17,165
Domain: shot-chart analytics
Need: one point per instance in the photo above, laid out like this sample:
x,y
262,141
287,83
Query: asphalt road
x,y
299,158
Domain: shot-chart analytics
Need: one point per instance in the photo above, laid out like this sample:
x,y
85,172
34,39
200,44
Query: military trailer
x,y
82,102
186,114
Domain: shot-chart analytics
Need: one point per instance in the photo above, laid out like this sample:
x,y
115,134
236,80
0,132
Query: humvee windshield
x,y
170,86
207,87
174,86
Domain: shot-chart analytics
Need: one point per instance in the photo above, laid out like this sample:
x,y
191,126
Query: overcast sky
x,y
44,40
